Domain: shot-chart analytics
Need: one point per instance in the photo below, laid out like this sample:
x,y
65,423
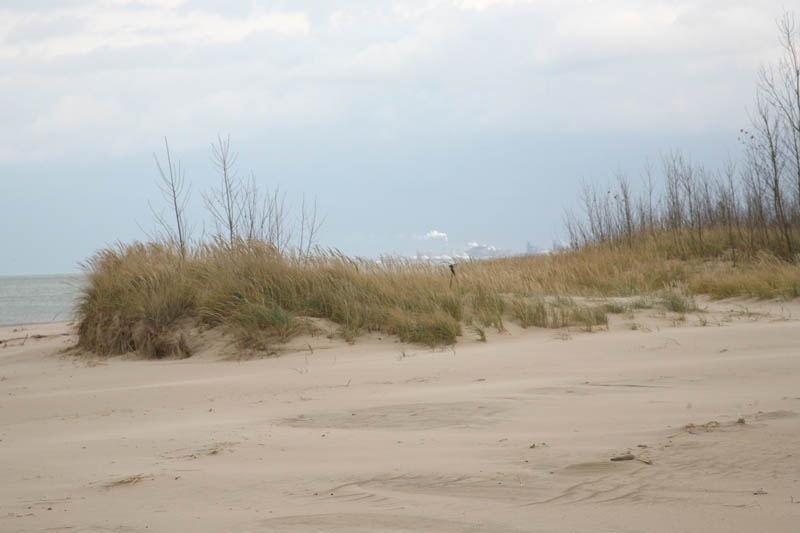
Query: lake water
x,y
30,299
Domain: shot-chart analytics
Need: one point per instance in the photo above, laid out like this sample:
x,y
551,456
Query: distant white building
x,y
484,251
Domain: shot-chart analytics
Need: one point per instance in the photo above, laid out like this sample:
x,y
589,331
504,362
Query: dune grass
x,y
143,297
140,297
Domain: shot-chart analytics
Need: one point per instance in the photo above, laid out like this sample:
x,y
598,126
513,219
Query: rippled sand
x,y
388,437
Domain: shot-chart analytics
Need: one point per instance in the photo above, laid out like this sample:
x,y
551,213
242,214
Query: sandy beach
x,y
515,434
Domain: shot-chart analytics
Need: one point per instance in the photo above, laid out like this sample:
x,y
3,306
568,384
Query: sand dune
x,y
388,437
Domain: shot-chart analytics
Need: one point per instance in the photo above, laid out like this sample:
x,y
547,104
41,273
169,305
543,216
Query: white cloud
x,y
481,5
115,26
486,251
157,3
136,70
434,234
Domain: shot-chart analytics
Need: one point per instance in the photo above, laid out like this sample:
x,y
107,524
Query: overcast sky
x,y
477,119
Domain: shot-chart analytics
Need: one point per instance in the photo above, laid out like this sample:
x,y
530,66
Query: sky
x,y
422,125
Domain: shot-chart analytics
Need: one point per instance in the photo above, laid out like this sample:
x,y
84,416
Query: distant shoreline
x,y
31,324
55,275
39,298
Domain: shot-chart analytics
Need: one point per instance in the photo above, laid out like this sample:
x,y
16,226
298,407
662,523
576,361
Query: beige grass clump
x,y
141,297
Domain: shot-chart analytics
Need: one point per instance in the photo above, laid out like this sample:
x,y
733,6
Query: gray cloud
x,y
128,70
32,29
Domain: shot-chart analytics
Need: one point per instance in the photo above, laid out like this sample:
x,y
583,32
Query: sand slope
x,y
382,436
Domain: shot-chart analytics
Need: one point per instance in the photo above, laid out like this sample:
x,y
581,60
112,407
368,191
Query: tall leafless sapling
x,y
223,203
175,191
779,87
310,225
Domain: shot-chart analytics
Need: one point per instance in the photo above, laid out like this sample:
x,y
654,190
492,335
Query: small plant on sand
x,y
641,303
530,312
616,308
348,333
589,317
678,302
489,306
479,332
433,330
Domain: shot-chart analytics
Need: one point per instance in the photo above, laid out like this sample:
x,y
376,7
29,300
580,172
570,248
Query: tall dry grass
x,y
142,297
